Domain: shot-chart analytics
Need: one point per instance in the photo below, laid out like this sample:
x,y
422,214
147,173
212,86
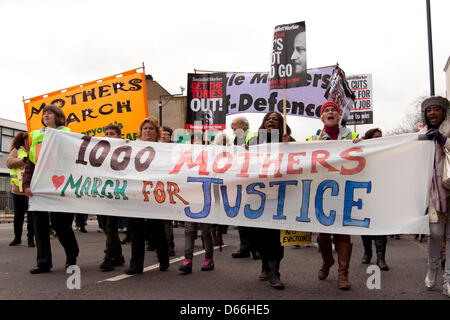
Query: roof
x,y
13,124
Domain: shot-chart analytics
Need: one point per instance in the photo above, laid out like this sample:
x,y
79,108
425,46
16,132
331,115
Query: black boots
x,y
264,276
274,274
326,251
15,242
367,242
380,246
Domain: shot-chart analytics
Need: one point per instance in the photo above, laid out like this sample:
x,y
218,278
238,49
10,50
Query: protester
x,y
166,137
243,134
17,158
443,255
81,222
52,117
190,234
110,224
149,130
330,114
267,241
381,240
217,230
241,130
437,128
124,227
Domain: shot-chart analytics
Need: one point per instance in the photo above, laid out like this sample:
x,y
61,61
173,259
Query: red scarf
x,y
333,132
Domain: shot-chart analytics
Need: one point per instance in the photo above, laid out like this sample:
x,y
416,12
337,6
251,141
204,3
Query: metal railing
x,y
6,206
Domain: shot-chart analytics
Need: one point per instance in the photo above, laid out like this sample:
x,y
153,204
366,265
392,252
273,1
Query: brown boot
x,y
344,253
327,255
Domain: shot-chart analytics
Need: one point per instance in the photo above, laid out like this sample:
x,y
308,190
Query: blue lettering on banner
x,y
206,186
327,184
326,219
231,211
281,196
350,186
250,213
306,190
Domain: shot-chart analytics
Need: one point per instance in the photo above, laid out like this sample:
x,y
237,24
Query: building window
x,y
5,184
6,143
7,136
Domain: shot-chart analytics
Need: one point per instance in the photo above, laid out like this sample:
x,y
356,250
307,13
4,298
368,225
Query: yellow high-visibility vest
x,y
17,173
316,137
248,136
36,141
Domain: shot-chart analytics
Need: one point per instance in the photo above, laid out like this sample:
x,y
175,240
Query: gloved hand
x,y
436,135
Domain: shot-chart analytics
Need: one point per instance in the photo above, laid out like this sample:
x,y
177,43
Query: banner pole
x,y
284,111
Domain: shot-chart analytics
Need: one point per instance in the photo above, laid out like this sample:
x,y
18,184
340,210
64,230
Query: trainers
x,y
430,279
446,289
70,262
186,267
208,265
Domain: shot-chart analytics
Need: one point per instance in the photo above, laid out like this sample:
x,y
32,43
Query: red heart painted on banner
x,y
58,181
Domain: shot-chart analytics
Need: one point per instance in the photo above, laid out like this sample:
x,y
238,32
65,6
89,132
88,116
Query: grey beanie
x,y
435,101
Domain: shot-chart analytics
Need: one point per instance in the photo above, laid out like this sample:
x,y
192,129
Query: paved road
x,y
232,279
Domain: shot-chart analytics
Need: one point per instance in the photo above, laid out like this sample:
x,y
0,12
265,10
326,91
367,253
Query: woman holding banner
x,y
330,114
191,230
17,158
52,117
380,240
149,130
437,128
267,241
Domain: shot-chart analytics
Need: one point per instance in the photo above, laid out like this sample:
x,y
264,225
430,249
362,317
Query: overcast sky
x,y
51,45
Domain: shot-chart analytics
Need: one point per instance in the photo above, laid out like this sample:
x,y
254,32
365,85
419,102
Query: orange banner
x,y
120,99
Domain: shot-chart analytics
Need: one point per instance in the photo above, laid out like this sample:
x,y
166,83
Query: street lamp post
x,y
430,49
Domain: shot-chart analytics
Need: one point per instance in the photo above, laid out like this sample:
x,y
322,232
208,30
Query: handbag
x,y
446,171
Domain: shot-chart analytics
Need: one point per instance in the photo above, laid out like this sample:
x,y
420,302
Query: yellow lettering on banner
x,y
294,238
89,107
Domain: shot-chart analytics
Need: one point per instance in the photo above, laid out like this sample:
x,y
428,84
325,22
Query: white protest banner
x,y
250,92
377,186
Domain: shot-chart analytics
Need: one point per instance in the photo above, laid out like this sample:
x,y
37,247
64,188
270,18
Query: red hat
x,y
330,104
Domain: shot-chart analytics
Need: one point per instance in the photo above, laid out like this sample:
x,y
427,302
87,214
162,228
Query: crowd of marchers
x,y
260,243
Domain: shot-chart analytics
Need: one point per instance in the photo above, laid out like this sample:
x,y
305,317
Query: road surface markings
x,y
154,266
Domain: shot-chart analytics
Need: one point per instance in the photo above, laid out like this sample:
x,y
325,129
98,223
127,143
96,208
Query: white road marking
x,y
155,266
